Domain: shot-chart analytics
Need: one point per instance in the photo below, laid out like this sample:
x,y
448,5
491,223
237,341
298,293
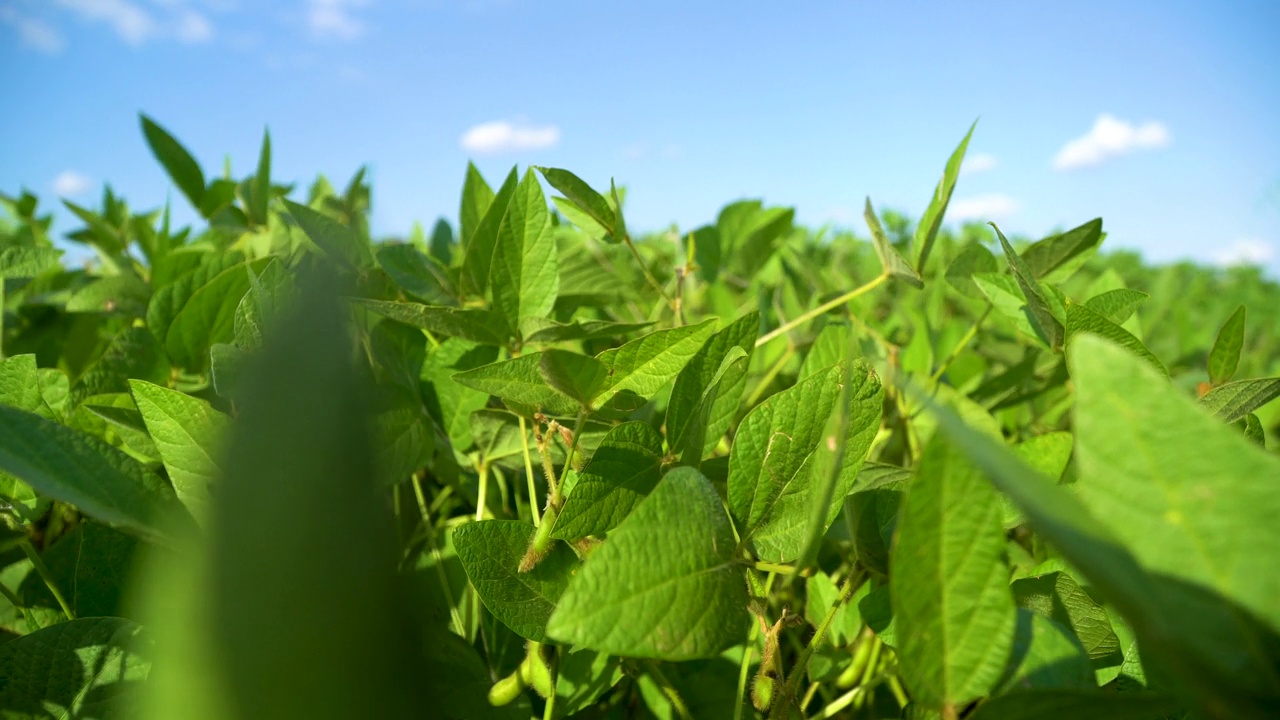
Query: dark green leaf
x,y
525,273
189,435
624,469
891,261
689,402
182,168
1047,704
25,262
1225,355
475,324
931,220
477,196
974,259
644,365
336,240
1048,316
480,246
1082,320
1045,256
1115,305
519,380
581,377
588,201
1234,400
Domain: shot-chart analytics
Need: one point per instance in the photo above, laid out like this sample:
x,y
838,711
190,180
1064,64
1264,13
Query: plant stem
x,y
653,281
806,317
556,498
851,583
458,627
769,567
548,712
47,576
960,346
669,690
528,473
483,491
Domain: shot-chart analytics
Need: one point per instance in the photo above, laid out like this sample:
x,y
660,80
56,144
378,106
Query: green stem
x,y
528,473
556,498
851,583
458,627
653,281
483,491
825,307
960,346
669,690
769,567
47,576
13,599
548,712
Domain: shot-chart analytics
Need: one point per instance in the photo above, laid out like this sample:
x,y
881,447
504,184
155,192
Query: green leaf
x,y
189,434
477,197
623,470
208,317
644,365
25,262
1048,317
480,246
268,297
1006,297
449,402
587,201
20,386
525,274
91,667
1234,400
974,259
543,330
952,608
475,324
833,345
1083,321
873,511
581,678
336,240
581,377
695,420
519,380
1224,358
89,563
79,469
931,220
133,353
664,585
1115,305
491,551
891,261
1188,496
126,294
1045,256
416,273
1058,597
1076,703
260,185
1045,655
182,168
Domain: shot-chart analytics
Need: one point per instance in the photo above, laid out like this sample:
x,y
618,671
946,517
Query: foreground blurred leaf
x,y
664,585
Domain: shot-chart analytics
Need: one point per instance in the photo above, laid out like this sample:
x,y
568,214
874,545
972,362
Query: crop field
x,y
529,464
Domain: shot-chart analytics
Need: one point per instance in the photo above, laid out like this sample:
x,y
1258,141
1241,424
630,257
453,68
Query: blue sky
x,y
1162,117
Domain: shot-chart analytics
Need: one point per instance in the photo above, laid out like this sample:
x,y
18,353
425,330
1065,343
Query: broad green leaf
x,y
1253,429
1234,400
1058,597
124,293
20,386
1048,317
1208,649
821,594
86,668
477,196
415,273
707,252
831,346
974,259
689,413
644,365
1047,454
133,353
1115,305
664,585
581,377
581,678
891,261
79,469
260,185
525,274
580,219
1224,357
452,403
190,271
402,438
89,562
189,434
1083,321
208,317
519,380
226,366
491,551
1045,655
182,168
480,245
338,241
621,473
544,330
269,296
1189,497
873,512
953,612
931,220
1006,297
24,262
459,682
475,324
586,200
697,441
760,239
1042,704
1045,256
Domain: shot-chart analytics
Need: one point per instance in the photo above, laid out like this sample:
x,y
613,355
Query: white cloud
x,y
131,22
1245,251
501,136
975,164
1110,137
335,18
982,207
191,27
35,33
70,183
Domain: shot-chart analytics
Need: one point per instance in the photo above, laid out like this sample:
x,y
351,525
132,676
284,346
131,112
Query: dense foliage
x,y
529,465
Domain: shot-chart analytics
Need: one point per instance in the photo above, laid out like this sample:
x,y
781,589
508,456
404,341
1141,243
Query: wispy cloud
x,y
35,32
974,164
1110,137
982,207
69,183
335,18
130,21
501,136
1245,251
